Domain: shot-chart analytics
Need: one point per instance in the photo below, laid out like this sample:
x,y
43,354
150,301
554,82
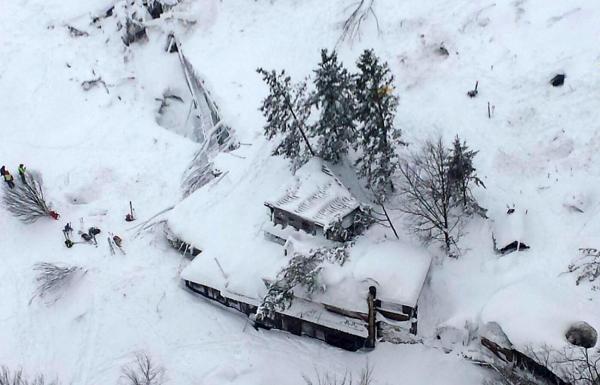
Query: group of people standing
x,y
8,178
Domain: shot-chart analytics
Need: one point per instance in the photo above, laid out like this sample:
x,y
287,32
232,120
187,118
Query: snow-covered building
x,y
317,203
379,282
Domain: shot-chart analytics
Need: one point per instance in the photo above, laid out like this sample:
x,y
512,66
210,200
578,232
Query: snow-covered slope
x,y
97,150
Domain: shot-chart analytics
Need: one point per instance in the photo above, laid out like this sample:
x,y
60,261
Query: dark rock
x,y
155,9
582,334
558,80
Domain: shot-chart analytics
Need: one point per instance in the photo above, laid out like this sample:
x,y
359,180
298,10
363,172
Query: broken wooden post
x,y
473,92
130,217
372,329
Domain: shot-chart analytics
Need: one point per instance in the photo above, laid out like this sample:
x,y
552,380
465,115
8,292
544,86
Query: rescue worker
x,y
22,170
68,230
9,179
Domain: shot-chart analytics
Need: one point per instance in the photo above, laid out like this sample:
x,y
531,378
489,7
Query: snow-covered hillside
x,y
101,148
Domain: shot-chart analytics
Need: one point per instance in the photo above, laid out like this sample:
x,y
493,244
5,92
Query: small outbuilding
x,y
510,230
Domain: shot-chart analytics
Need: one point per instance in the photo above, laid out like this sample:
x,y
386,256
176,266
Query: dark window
x,y
308,329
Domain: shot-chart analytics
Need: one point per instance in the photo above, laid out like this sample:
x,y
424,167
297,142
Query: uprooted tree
x,y
586,266
26,200
361,10
301,271
53,279
430,197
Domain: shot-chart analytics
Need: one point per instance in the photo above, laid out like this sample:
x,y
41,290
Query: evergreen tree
x,y
461,173
375,111
334,96
286,109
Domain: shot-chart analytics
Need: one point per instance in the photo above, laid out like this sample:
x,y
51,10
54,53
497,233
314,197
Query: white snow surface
x,y
533,313
98,150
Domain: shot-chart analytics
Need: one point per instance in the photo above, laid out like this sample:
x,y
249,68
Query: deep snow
x,y
97,151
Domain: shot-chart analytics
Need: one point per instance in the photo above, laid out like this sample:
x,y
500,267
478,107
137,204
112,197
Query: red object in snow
x,y
54,215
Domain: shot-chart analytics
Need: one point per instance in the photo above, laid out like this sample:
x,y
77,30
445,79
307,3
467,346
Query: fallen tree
x,y
26,201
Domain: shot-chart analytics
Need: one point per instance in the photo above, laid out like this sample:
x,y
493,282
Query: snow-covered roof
x,y
227,219
315,194
315,313
396,269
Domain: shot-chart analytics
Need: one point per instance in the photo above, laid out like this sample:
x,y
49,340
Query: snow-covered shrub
x,y
53,279
351,26
587,266
302,270
8,377
131,16
365,378
507,375
143,371
26,201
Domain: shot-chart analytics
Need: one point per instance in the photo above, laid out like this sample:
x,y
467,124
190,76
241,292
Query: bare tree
x,y
427,193
52,279
8,377
572,365
26,200
365,378
351,26
143,371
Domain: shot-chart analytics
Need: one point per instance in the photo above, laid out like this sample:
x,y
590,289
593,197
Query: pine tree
x,y
461,173
334,96
375,111
286,109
